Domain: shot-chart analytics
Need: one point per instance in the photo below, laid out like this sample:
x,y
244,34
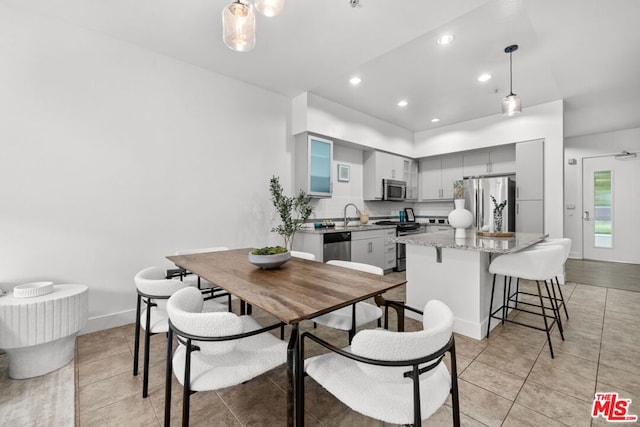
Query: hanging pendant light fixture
x,y
239,22
239,26
511,104
270,7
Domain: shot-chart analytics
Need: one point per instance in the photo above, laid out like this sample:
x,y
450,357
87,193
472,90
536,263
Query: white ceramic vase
x,y
460,219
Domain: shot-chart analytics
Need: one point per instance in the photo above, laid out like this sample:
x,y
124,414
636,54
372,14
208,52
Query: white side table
x,y
38,333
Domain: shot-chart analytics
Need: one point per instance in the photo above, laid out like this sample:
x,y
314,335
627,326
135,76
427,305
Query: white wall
x,y
315,114
114,157
579,148
543,121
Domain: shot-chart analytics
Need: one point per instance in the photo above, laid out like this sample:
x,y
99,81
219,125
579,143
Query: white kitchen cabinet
x,y
530,170
313,168
490,162
390,258
368,247
451,172
378,165
413,182
437,176
530,216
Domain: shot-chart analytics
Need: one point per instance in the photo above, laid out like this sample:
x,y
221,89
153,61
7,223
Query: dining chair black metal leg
x,y
544,317
352,331
168,379
566,313
136,344
147,334
186,389
292,361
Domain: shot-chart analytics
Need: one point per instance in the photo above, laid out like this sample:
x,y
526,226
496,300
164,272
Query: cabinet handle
x,y
489,167
517,192
517,208
370,246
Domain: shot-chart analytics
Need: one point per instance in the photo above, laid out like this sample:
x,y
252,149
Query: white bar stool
x,y
566,245
539,265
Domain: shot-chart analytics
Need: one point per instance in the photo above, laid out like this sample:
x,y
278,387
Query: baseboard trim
x,y
107,321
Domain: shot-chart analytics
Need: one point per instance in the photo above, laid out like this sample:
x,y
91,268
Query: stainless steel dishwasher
x,y
337,246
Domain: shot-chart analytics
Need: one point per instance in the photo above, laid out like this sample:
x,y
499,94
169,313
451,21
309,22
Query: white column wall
x,y
316,114
114,157
543,121
578,148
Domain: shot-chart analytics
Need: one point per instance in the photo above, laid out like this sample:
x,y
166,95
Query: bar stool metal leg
x,y
493,288
544,317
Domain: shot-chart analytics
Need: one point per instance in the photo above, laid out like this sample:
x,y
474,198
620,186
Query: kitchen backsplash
x,y
333,208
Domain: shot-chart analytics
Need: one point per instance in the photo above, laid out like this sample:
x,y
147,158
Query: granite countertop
x,y
341,229
446,239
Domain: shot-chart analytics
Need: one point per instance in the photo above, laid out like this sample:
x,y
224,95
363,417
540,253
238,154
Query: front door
x,y
611,201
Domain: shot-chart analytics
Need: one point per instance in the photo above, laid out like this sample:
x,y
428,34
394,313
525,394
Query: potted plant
x,y
497,213
458,189
269,257
293,211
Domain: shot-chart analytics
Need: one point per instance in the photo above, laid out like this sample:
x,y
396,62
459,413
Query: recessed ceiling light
x,y
445,39
355,81
435,120
403,103
484,77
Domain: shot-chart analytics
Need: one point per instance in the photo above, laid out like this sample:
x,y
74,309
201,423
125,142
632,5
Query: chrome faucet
x,y
345,213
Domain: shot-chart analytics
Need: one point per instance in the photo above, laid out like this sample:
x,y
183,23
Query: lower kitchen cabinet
x,y
368,247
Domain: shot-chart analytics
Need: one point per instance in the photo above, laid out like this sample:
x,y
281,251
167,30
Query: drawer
x,y
369,234
390,233
390,249
389,262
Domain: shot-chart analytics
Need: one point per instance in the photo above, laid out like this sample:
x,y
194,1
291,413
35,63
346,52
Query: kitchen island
x,y
456,272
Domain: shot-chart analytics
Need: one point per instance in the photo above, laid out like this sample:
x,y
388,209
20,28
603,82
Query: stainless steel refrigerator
x,y
478,200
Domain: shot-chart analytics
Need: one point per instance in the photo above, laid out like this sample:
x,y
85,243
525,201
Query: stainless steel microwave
x,y
394,190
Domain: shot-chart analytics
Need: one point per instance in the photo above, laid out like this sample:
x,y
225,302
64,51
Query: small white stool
x,y
38,333
538,264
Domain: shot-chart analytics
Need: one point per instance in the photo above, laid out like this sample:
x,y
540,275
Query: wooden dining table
x,y
298,290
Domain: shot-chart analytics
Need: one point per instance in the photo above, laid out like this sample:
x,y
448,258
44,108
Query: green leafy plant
x,y
458,189
498,207
293,211
269,250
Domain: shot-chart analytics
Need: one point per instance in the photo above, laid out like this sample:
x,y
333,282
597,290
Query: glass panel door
x,y
320,153
603,209
611,202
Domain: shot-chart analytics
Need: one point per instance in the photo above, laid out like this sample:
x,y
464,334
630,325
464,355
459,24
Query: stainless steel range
x,y
403,229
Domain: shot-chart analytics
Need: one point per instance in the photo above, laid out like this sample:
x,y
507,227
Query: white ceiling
x,y
584,51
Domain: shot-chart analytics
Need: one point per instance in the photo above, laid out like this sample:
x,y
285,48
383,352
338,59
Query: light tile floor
x,y
508,379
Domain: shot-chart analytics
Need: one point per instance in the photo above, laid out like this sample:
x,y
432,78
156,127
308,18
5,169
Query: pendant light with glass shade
x,y
239,22
511,104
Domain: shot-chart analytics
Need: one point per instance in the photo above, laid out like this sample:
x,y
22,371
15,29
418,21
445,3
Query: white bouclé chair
x,y
186,276
215,350
303,255
361,312
395,377
153,288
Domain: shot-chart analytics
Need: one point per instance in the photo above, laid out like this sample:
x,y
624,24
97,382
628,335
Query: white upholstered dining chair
x,y
186,275
361,313
303,255
153,289
395,377
215,350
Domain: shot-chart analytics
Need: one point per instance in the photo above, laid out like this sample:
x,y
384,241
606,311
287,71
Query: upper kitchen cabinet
x,y
313,165
530,170
437,176
530,187
379,165
490,162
